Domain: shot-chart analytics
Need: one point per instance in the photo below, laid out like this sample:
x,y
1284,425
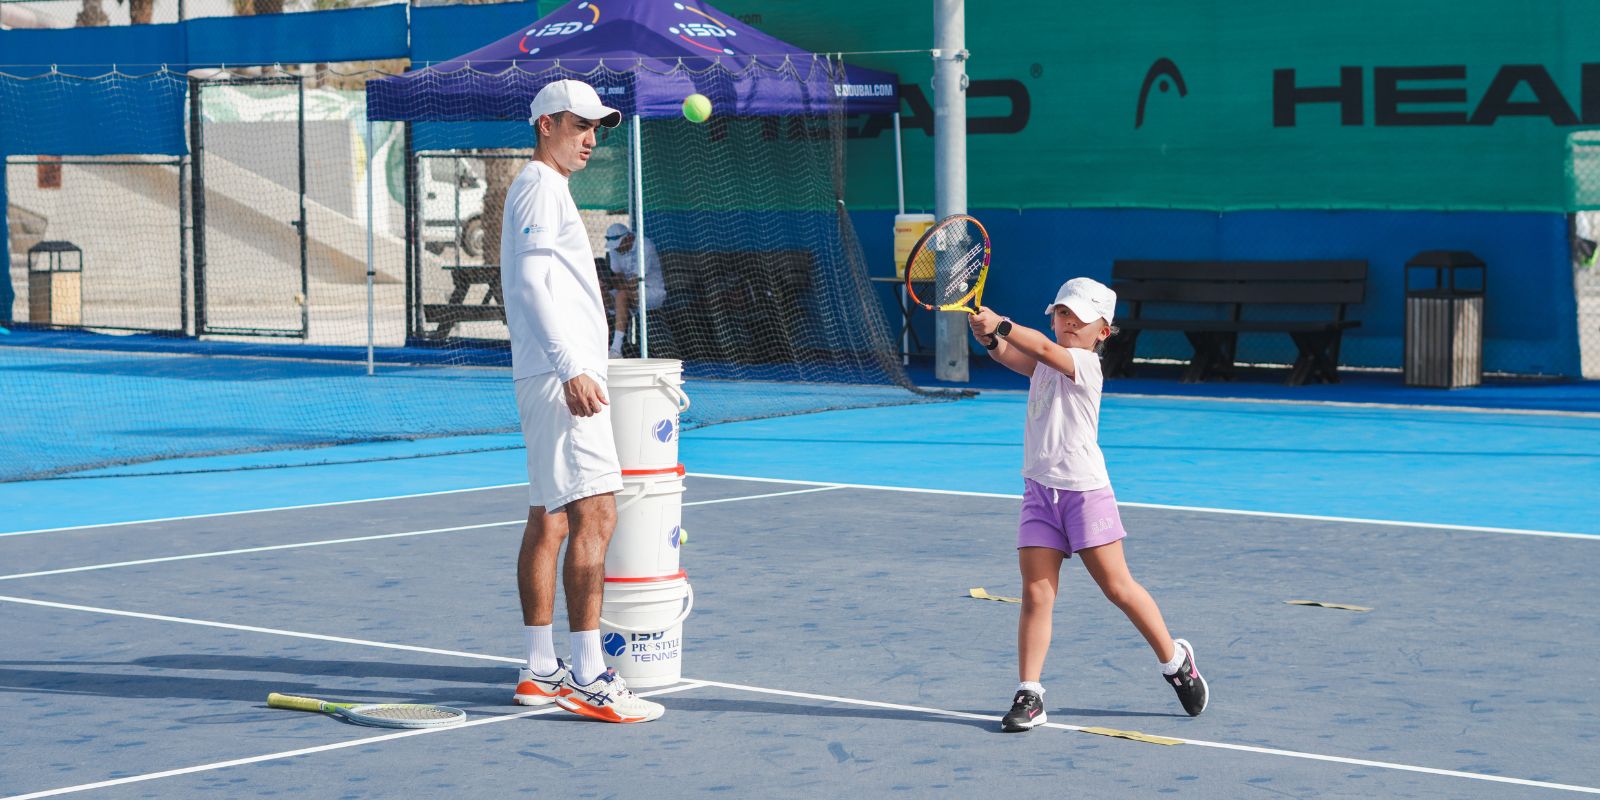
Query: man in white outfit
x,y
624,263
558,358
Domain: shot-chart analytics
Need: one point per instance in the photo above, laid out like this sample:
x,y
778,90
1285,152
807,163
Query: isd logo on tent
x,y
567,28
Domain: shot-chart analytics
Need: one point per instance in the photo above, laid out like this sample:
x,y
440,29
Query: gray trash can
x,y
1444,319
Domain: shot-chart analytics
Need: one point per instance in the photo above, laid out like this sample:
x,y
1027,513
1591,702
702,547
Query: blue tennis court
x,y
834,647
265,262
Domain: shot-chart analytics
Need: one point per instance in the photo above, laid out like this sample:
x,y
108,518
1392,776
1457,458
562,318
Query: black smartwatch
x,y
1004,328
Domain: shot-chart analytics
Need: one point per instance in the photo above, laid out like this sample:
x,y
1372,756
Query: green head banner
x,y
1247,104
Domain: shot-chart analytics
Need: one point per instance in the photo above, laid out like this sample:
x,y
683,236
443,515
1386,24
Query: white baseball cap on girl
x,y
1088,298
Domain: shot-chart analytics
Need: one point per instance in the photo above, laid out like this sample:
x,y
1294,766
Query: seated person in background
x,y
624,263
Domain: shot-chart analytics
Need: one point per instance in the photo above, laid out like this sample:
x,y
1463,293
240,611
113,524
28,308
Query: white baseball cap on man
x,y
1088,298
575,96
614,236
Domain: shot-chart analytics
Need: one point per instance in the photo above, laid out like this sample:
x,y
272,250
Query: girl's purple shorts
x,y
1066,520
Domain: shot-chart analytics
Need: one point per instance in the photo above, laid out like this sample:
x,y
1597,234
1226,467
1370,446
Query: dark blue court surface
x,y
833,651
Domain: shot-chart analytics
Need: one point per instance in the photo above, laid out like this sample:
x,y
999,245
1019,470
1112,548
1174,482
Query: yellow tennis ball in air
x,y
697,108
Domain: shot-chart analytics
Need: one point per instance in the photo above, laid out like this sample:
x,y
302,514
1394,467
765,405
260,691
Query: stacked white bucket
x,y
647,594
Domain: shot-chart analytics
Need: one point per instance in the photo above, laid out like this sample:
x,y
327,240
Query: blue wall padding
x,y
92,51
72,116
1531,307
353,34
463,135
55,113
440,33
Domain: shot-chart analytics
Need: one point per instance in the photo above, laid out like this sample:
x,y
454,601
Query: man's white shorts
x,y
569,458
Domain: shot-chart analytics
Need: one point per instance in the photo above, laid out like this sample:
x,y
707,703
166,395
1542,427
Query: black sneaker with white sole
x,y
1187,682
1027,711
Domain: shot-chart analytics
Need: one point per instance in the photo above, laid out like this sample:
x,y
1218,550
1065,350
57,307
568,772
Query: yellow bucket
x,y
908,228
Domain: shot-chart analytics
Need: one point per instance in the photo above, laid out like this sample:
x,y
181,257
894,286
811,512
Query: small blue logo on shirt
x,y
532,229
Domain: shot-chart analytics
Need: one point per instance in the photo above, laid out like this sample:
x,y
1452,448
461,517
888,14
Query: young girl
x,y
1067,505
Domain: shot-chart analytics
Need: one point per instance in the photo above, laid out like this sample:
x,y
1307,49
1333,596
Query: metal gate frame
x,y
197,151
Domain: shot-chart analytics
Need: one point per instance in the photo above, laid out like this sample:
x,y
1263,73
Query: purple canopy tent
x,y
643,57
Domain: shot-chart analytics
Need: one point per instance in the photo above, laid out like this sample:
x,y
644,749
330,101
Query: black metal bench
x,y
492,308
1207,301
456,310
728,306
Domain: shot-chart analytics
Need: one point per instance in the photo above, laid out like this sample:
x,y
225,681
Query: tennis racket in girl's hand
x,y
382,715
948,265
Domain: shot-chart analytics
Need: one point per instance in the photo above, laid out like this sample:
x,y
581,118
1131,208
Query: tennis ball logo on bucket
x,y
665,431
675,536
614,644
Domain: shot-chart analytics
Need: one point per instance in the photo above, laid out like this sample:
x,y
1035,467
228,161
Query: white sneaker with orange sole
x,y
607,698
539,690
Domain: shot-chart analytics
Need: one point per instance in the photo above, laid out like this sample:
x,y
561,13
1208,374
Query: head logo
x,y
665,431
674,536
703,27
1161,74
561,28
613,644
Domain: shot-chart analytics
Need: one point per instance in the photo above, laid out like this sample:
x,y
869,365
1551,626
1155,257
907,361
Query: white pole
x,y
371,165
900,193
638,236
899,166
950,165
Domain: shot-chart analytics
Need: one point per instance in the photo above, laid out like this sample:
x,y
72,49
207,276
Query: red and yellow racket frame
x,y
975,294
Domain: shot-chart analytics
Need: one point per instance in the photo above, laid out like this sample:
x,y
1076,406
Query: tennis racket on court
x,y
381,715
950,263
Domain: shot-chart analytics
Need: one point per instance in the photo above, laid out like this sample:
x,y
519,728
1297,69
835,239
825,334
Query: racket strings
x,y
408,713
955,272
950,261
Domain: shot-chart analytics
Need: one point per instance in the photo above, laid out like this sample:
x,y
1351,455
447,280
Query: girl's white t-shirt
x,y
1061,441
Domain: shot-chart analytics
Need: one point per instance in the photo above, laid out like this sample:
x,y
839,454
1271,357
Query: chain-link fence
x,y
98,242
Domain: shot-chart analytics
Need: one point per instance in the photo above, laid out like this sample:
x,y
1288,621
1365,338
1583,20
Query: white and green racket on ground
x,y
381,715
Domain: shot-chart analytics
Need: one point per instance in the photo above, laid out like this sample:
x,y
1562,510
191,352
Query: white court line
x,y
1533,412
324,542
881,488
697,683
253,629
263,549
151,776
261,510
1198,742
1158,506
827,488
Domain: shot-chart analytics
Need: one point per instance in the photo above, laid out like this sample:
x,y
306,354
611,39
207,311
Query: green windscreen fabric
x,y
1247,104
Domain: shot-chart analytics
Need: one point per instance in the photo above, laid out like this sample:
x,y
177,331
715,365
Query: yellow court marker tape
x,y
1133,735
1320,604
981,594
